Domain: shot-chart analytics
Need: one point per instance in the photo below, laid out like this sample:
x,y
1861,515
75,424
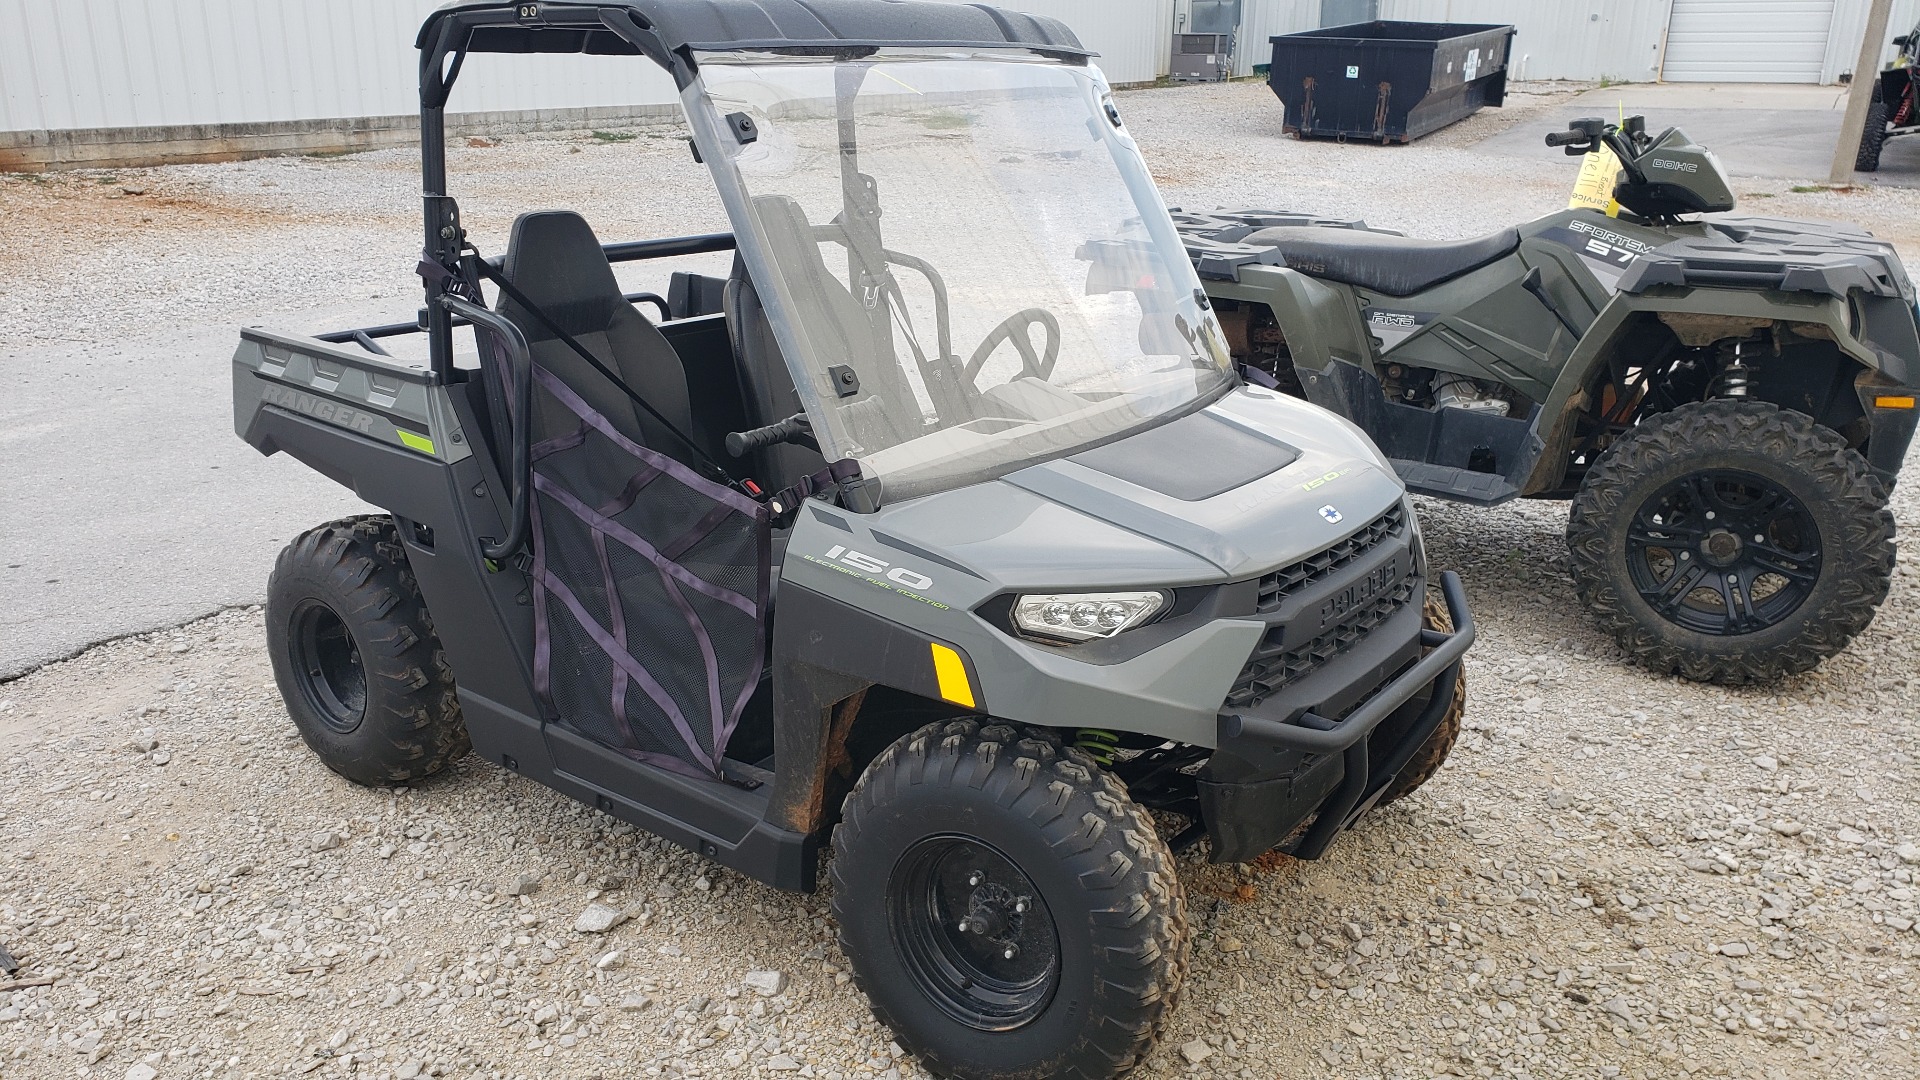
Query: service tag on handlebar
x,y
1599,172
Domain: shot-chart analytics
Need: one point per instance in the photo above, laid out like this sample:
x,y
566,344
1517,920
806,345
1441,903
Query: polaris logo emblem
x,y
1676,166
1332,515
1351,600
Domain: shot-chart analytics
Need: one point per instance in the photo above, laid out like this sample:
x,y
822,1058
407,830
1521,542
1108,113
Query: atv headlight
x,y
1085,616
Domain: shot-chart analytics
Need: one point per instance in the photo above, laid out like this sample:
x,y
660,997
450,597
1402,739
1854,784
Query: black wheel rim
x,y
326,664
1724,552
973,932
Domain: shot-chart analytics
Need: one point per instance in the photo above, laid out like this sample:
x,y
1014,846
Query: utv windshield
x,y
923,232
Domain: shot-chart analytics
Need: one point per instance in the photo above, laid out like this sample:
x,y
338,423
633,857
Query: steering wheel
x,y
1016,329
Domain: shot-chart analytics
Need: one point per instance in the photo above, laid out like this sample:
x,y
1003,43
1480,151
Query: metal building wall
x,y
1620,39
1263,19
1131,36
1561,39
77,64
90,64
1849,22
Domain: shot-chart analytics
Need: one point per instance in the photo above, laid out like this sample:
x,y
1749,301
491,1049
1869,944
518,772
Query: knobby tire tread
x,y
1091,822
1861,558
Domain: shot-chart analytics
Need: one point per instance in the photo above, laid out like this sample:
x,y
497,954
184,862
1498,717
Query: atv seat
x,y
1382,262
556,261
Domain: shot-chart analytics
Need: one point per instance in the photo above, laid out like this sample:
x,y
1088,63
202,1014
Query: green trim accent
x,y
414,442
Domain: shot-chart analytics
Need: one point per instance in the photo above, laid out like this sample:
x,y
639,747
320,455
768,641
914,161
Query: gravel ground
x,y
1616,875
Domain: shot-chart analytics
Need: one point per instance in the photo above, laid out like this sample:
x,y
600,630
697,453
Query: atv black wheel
x,y
1874,138
1007,908
1732,541
1433,753
355,655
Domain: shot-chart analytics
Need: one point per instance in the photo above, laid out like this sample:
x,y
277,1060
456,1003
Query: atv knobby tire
x,y
1433,753
1833,489
355,655
1035,815
1874,138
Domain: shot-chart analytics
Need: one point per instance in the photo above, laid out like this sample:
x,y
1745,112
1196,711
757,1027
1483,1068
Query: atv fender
x,y
1604,339
1893,86
1320,321
393,434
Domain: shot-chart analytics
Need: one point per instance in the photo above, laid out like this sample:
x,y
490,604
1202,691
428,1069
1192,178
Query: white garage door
x,y
1747,40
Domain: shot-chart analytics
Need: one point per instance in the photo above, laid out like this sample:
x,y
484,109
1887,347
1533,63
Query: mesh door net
x,y
649,592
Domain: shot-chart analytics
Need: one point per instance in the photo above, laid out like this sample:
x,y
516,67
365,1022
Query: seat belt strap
x,y
718,473
786,502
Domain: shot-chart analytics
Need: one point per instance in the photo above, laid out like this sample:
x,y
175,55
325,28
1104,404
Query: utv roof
x,y
731,25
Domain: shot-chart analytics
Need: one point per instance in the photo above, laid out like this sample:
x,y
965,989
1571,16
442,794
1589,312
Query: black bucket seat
x,y
556,261
833,320
1382,262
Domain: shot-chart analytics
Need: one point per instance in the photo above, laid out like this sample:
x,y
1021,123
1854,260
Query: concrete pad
x,y
1787,132
1644,97
128,502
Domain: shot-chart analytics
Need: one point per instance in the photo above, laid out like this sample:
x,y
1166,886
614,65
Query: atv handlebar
x,y
795,428
1628,140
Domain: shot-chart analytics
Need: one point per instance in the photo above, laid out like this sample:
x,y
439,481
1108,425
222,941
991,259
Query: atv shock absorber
x,y
1099,745
1736,380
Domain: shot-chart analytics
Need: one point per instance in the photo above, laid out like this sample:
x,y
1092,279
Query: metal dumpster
x,y
1388,81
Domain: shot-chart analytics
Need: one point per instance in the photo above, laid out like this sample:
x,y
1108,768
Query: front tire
x,y
1732,542
1007,908
1433,753
355,655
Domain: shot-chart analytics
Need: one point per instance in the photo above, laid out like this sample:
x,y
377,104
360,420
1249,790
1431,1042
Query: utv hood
x,y
1254,481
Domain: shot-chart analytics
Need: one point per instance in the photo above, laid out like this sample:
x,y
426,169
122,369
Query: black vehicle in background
x,y
1896,102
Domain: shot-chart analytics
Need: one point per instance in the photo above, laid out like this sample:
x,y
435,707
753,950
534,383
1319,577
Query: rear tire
x,y
1874,138
1731,542
1100,941
355,655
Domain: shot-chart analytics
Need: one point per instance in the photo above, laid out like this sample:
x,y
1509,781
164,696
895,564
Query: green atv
x,y
1725,400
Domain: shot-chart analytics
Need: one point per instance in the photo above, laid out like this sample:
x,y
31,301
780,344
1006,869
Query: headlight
x,y
1085,616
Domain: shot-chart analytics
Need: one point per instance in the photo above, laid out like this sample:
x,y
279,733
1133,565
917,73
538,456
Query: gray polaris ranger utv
x,y
1725,400
901,533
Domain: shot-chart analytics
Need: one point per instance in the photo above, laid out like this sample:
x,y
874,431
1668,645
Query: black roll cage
x,y
452,32
518,28
367,337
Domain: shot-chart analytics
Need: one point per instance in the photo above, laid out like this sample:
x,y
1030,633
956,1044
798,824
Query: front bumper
x,y
1270,774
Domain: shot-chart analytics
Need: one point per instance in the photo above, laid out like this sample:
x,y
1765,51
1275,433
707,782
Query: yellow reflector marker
x,y
952,672
1892,402
413,441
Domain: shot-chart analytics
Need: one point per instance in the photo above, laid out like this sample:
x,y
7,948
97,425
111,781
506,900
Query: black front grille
x,y
1271,667
1284,582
